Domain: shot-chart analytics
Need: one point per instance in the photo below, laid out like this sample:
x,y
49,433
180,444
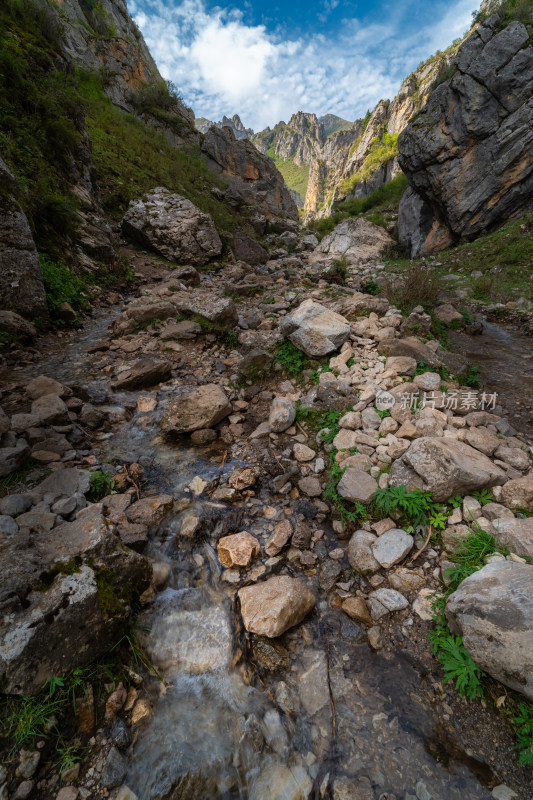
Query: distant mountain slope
x,y
332,123
202,124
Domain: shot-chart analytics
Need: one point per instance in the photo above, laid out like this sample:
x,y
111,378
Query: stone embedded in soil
x,y
244,478
303,453
392,547
193,408
145,372
518,493
492,611
238,549
390,598
357,609
270,608
282,414
357,486
310,486
360,555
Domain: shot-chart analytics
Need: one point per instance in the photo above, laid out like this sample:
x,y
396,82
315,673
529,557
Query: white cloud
x,y
221,65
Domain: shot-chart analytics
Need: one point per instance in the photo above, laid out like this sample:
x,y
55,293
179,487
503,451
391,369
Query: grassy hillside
x,y
294,176
332,124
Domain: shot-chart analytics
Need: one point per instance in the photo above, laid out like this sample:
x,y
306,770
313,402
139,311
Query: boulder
x,y
248,250
468,155
270,608
193,408
518,493
16,327
444,467
173,227
65,595
492,611
50,410
409,347
149,510
221,311
42,385
357,239
516,534
145,372
238,549
315,329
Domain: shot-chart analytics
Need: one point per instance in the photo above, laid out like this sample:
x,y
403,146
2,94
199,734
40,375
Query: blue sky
x,y
266,60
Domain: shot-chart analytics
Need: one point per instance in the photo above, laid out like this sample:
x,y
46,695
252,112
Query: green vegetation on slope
x,y
294,176
503,258
379,152
384,201
132,158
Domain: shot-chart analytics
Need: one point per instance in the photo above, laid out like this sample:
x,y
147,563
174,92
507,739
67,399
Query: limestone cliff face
x,y
468,155
252,177
355,162
300,140
235,123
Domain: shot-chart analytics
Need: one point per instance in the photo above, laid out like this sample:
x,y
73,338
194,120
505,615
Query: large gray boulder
x,y
65,597
359,240
493,612
468,155
173,227
21,277
315,329
445,467
195,407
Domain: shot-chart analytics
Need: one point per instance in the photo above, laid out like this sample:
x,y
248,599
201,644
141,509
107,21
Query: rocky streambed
x,y
290,643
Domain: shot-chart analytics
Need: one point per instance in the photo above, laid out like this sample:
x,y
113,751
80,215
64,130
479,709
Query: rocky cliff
x,y
203,125
88,125
468,155
354,162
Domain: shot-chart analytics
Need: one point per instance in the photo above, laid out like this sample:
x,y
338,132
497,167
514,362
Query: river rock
x,y
238,549
360,240
357,609
392,547
145,372
282,414
492,611
42,385
193,408
278,538
281,782
315,329
516,534
357,486
444,467
50,410
149,510
219,310
244,478
360,555
270,608
173,227
80,616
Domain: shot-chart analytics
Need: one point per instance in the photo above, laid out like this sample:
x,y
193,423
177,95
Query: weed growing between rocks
x,y
292,360
471,376
459,667
419,286
102,485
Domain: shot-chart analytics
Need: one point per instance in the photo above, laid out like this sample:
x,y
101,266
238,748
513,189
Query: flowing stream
x,y
329,712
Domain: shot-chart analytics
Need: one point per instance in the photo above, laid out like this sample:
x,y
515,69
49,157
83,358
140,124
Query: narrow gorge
x,y
266,426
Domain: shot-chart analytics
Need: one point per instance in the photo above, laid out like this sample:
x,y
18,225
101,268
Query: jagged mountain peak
x,y
235,123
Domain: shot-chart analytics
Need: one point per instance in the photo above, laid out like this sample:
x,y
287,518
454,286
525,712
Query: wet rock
x,y
270,608
357,486
203,436
244,478
518,493
517,534
282,414
115,768
121,734
115,701
195,408
280,782
150,510
313,683
492,611
270,655
173,227
360,554
80,615
315,329
50,410
346,788
301,538
188,633
357,609
279,538
329,573
392,547
145,372
238,549
445,468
